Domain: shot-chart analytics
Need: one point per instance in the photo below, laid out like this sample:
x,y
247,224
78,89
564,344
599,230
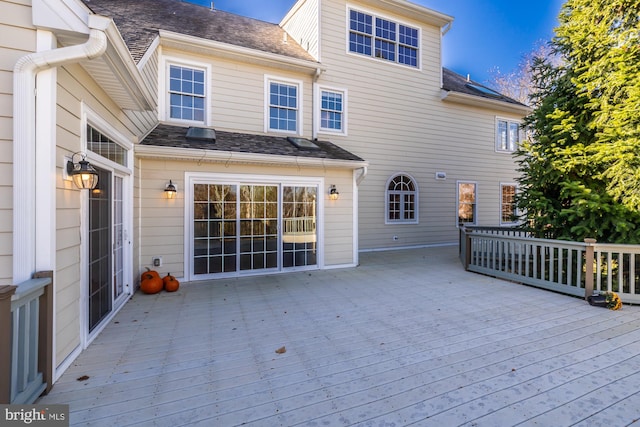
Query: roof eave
x,y
234,157
415,11
195,44
482,102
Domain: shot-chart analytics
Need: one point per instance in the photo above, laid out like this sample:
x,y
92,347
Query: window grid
x,y
283,107
331,111
393,42
186,93
105,147
508,210
466,203
401,199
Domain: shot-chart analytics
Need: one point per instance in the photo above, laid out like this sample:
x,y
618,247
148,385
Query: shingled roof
x,y
176,136
139,22
454,82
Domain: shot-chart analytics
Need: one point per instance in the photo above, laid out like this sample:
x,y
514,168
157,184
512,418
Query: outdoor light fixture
x,y
170,190
333,193
82,173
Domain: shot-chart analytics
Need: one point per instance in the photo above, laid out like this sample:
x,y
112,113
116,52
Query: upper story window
x,y
331,109
508,208
402,200
283,105
382,38
467,205
507,135
186,93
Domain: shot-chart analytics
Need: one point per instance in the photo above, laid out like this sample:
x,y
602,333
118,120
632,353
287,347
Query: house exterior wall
x,y
17,38
163,229
303,21
77,92
398,123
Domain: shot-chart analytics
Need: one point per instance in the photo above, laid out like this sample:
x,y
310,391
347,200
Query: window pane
x,y
186,93
283,110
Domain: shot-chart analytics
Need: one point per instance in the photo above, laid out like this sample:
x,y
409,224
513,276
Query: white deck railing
x,y
574,268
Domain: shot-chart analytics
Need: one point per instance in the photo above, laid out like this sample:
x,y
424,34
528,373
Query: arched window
x,y
401,200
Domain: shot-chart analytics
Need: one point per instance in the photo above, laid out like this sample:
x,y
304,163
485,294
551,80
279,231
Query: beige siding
x,y
163,228
17,38
398,123
75,87
302,25
237,93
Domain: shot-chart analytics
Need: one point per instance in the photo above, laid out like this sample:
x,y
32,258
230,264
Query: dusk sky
x,y
485,34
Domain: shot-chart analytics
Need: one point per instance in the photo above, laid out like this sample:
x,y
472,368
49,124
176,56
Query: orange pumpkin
x,y
149,274
151,285
171,284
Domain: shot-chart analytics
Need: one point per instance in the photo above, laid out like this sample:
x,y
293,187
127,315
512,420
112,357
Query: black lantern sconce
x,y
170,190
333,192
82,173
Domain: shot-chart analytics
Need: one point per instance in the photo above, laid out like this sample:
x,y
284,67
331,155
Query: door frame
x,y
192,178
126,174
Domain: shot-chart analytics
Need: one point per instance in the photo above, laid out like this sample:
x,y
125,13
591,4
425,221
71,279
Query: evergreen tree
x,y
581,168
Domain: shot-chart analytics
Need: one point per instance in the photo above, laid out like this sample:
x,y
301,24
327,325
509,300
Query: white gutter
x,y
28,181
235,157
363,173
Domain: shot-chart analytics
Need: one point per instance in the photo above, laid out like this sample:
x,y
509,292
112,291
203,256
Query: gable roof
x,y
171,136
140,22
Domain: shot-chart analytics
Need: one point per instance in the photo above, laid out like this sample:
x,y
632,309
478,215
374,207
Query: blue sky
x,y
485,34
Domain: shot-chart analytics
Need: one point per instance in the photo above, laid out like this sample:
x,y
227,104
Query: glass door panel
x,y
100,250
258,227
299,234
118,237
214,228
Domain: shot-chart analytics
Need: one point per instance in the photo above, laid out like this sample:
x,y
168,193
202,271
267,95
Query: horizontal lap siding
x,y
74,87
236,95
303,26
163,227
398,123
17,39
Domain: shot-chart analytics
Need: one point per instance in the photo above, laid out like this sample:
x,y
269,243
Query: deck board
x,y
406,338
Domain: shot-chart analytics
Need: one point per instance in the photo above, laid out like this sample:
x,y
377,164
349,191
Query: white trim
x,y
90,117
395,20
268,78
475,212
401,248
500,186
497,134
416,219
191,178
149,53
317,109
165,61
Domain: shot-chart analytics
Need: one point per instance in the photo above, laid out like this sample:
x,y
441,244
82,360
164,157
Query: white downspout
x,y
29,183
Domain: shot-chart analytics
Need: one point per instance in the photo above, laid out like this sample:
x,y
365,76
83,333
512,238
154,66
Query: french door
x,y
108,243
250,228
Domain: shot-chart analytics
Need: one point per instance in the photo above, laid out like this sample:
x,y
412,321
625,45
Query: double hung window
x,y
283,109
187,93
507,135
383,39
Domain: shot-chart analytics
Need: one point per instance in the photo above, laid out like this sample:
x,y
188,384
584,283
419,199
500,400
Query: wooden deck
x,y
407,338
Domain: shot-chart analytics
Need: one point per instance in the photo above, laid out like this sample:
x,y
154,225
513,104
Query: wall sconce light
x,y
82,173
170,190
333,193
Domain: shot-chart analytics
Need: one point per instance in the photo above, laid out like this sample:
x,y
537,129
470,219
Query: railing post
x,y
45,326
588,259
6,292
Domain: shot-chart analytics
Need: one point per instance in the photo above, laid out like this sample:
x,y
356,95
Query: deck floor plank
x,y
406,338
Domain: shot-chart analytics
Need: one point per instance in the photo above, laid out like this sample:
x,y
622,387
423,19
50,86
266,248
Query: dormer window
x,y
383,39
